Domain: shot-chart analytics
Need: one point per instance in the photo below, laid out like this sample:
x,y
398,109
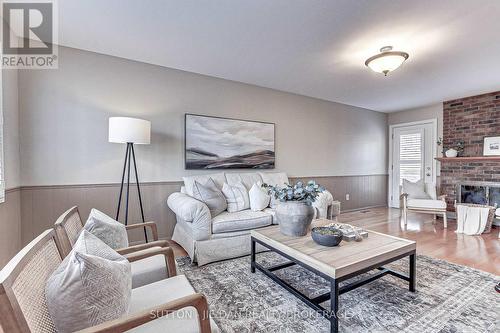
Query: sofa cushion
x,y
248,178
92,285
236,197
182,321
259,199
218,178
274,178
426,204
107,229
211,195
243,220
148,270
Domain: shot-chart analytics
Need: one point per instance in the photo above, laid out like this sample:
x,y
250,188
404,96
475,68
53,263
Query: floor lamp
x,y
130,131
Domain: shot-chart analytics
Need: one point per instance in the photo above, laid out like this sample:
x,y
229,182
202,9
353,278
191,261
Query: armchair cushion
x,y
211,195
92,285
243,220
426,203
415,190
236,197
182,321
148,270
107,229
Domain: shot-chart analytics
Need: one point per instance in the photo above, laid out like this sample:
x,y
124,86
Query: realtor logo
x,y
29,34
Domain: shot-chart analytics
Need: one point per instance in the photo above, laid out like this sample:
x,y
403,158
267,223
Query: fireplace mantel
x,y
469,159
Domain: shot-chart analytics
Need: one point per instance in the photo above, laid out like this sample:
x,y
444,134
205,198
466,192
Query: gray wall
x,y
10,210
64,119
434,111
67,160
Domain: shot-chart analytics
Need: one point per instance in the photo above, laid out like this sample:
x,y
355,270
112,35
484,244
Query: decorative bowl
x,y
326,236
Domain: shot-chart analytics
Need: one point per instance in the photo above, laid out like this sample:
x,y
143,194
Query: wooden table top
x,y
341,260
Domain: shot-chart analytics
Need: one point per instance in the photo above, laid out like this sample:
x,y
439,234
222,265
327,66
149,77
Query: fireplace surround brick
x,y
469,119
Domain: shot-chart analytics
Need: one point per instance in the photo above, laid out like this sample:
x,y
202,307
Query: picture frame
x,y
212,142
491,146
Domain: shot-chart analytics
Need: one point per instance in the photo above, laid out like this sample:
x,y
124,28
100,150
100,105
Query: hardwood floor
x,y
481,252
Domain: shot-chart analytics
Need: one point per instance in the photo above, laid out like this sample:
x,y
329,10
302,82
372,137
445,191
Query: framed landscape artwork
x,y
491,146
225,143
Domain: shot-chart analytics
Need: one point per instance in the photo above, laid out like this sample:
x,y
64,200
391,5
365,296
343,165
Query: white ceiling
x,y
309,47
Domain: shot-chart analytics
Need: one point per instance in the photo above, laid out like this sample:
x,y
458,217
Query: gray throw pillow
x,y
415,190
107,229
210,194
92,285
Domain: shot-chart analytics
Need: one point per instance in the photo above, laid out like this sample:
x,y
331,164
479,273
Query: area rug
x,y
449,298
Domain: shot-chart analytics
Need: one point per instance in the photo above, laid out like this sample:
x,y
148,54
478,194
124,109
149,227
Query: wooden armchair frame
x,y
22,292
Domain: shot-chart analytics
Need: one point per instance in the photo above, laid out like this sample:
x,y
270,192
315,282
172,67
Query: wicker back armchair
x,y
22,286
68,227
23,305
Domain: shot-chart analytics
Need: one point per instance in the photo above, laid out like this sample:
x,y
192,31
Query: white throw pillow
x,y
236,197
415,190
259,199
92,285
211,196
107,229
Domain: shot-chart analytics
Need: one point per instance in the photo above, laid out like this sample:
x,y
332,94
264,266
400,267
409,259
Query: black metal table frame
x,y
335,291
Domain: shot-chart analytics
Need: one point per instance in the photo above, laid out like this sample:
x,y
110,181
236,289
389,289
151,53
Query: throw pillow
x,y
236,197
415,190
107,229
92,285
211,196
259,199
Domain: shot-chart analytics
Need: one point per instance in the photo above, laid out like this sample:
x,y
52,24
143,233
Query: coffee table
x,y
335,264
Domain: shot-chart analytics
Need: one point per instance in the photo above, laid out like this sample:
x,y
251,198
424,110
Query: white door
x,y
413,152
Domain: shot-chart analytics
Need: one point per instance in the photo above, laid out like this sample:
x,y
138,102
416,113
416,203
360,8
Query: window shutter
x,y
410,155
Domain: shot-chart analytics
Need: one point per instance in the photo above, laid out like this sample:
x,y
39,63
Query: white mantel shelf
x,y
469,159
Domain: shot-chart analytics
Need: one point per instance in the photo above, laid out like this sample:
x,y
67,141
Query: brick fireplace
x,y
469,119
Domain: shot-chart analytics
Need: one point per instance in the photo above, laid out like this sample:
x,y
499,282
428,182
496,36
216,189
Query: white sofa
x,y
226,235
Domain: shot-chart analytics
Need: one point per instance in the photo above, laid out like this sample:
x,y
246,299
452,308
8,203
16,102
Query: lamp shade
x,y
125,129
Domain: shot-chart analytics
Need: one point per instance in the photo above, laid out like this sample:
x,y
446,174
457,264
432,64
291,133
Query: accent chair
x,y
24,306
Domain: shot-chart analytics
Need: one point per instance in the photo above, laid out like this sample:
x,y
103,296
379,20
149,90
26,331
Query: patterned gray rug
x,y
449,298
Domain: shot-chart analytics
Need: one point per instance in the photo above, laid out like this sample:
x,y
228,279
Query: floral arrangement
x,y
297,192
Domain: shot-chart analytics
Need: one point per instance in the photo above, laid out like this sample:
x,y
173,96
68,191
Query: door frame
x,y
434,123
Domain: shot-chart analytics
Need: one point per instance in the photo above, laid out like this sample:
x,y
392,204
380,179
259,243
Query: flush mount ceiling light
x,y
387,60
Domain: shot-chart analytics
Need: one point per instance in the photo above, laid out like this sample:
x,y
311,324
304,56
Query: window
x,y
410,154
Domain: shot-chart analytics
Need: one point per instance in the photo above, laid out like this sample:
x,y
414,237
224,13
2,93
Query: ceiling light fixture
x,y
387,60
